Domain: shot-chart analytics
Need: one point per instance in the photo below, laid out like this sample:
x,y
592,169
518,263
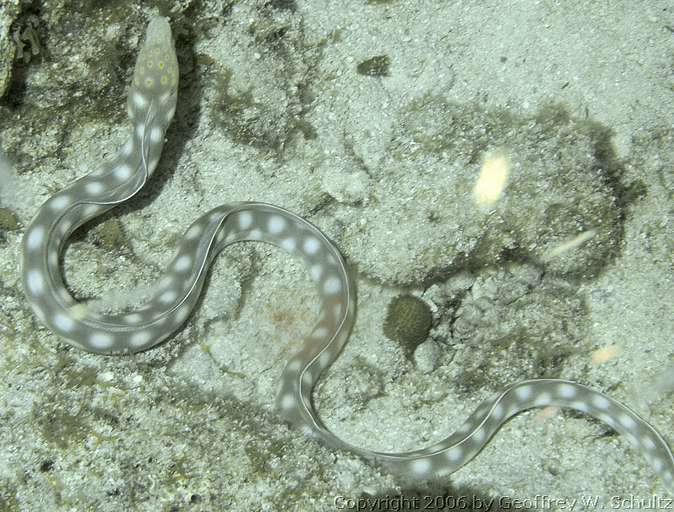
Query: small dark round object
x,y
46,465
408,321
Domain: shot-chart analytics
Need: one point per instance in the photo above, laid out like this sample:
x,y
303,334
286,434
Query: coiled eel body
x,y
151,106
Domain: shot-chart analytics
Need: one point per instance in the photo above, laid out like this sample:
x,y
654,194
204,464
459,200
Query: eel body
x,y
151,106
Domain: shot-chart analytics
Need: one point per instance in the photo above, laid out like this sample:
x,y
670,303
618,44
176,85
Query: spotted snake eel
x,y
151,106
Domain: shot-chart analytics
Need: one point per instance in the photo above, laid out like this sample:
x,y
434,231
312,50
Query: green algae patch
x,y
62,428
517,323
8,220
111,235
561,204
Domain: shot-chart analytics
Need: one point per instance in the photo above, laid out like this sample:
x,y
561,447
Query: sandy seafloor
x,y
277,103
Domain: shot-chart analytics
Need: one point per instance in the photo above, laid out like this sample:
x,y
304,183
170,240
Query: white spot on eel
x,y
95,188
123,172
60,202
34,238
152,101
